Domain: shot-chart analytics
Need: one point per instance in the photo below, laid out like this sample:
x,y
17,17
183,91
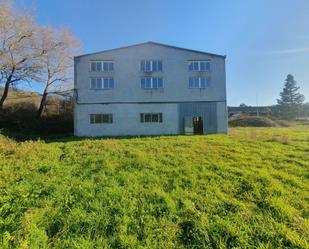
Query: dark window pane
x,y
159,66
203,66
111,83
105,66
196,83
106,83
155,118
160,118
191,66
97,118
207,66
105,118
99,66
160,83
148,82
154,66
195,66
154,82
142,117
111,66
147,118
148,67
93,66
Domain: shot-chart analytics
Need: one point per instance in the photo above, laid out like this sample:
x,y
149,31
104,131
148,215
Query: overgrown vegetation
x,y
259,121
19,117
252,121
245,190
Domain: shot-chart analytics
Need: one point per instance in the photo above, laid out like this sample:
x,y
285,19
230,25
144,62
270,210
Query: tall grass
x,y
245,190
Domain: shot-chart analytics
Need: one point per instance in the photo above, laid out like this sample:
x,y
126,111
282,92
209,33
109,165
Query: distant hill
x,y
20,99
17,96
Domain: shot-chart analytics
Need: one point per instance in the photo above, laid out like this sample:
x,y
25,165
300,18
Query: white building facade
x,y
149,89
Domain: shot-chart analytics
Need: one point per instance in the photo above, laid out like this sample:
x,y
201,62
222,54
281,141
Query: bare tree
x,y
58,47
17,47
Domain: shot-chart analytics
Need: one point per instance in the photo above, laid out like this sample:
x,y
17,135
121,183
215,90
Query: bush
x,y
253,121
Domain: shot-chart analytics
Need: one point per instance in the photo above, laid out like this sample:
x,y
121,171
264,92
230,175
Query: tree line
x,y
30,53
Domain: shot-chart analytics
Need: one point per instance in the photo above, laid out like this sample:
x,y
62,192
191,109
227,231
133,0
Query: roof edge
x,y
155,43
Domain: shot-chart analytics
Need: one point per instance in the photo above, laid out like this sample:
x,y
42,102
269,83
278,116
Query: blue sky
x,y
264,40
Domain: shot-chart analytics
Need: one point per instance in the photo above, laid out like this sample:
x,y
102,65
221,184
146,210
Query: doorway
x,y
198,125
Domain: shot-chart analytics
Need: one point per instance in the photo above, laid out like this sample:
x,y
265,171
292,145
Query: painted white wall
x,y
127,76
129,100
126,120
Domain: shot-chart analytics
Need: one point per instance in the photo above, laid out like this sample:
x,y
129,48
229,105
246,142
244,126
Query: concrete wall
x,y
127,100
127,76
126,120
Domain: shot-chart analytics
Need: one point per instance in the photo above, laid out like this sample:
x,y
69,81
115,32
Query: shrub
x,y
253,121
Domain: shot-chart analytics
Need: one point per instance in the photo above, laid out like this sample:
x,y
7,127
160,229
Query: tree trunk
x,y
5,91
42,103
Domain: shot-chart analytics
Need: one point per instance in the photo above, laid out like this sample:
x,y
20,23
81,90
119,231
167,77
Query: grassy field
x,y
245,190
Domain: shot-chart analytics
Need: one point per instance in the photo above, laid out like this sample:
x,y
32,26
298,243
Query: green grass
x,y
245,190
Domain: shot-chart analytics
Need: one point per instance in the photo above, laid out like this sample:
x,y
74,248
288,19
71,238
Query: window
x,y
151,117
151,82
199,82
102,83
199,65
101,118
151,66
102,66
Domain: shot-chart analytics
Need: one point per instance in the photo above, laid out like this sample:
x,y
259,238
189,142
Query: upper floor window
x,y
102,66
151,117
199,82
102,83
151,66
199,65
101,118
151,82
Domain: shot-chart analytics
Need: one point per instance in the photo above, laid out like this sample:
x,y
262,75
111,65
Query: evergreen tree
x,y
291,100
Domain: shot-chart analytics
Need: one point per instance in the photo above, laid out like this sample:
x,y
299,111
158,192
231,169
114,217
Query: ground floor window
x,y
101,118
151,117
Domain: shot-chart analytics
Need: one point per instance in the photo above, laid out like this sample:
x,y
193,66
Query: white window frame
x,y
92,120
199,65
102,66
151,83
102,83
200,82
151,65
143,114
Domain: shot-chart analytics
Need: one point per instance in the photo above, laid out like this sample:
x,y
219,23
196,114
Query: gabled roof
x,y
154,43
